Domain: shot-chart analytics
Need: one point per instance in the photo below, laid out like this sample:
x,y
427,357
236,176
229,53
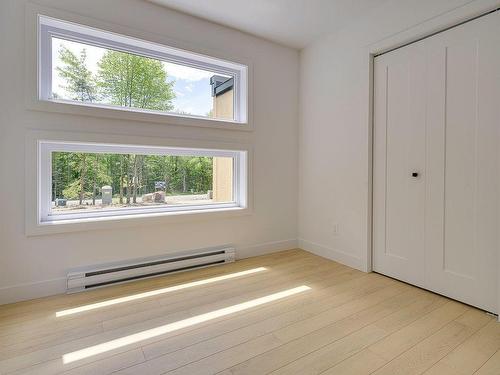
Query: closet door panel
x,y
437,113
462,144
399,152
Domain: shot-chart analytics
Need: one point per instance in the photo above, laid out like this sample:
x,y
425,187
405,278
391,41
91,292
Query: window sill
x,y
134,114
120,221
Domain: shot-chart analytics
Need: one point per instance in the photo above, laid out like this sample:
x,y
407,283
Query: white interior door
x,y
436,112
399,150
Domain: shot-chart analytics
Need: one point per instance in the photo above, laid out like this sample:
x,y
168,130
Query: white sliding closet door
x,y
436,162
399,147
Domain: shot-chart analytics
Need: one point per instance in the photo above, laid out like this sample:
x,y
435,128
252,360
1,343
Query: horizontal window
x,y
84,181
86,66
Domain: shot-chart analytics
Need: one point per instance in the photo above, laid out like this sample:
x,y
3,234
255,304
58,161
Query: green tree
x,y
160,168
80,81
135,81
200,173
62,173
123,79
97,166
79,167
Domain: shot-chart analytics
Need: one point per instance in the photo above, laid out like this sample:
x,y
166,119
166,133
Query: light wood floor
x,y
348,322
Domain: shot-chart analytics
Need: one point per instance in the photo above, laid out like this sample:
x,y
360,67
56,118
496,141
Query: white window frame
x,y
47,147
50,27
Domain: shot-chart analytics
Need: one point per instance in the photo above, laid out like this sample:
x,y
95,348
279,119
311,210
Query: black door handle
x,y
414,174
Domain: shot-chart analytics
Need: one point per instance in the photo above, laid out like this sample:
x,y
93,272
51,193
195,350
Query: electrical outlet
x,y
335,228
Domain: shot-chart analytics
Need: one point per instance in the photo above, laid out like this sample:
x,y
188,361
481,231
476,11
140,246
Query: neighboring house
x,y
222,93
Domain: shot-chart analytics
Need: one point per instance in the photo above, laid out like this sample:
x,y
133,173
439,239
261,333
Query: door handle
x,y
414,174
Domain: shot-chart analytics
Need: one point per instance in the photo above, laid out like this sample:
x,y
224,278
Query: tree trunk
x,y
135,179
55,186
82,177
184,184
94,185
129,180
167,182
129,188
121,179
140,176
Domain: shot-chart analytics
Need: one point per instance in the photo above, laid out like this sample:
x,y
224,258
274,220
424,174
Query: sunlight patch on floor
x,y
154,332
156,292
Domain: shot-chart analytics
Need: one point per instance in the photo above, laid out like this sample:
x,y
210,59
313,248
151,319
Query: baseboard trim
x,y
265,248
39,289
332,254
27,291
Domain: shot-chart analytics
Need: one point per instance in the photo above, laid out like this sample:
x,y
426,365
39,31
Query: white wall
x,y
37,265
334,130
334,134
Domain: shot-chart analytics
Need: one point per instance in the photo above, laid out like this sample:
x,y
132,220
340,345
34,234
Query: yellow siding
x,y
223,167
223,106
222,179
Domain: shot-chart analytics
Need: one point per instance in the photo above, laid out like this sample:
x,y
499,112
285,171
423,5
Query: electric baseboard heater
x,y
97,277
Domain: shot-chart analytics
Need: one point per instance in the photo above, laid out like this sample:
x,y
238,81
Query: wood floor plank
x,y
110,316
107,365
403,339
55,352
364,362
110,364
328,356
266,352
56,301
351,331
472,354
27,310
429,351
49,315
348,323
173,353
312,305
216,328
312,275
491,367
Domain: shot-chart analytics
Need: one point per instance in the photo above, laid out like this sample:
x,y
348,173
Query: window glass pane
x,y
86,182
90,74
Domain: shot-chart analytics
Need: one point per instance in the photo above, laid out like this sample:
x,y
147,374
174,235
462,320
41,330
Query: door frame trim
x,y
495,9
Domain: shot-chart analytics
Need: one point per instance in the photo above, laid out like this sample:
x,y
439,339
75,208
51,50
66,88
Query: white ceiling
x,y
294,23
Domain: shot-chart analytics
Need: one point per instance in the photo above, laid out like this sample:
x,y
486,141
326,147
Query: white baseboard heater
x,y
110,274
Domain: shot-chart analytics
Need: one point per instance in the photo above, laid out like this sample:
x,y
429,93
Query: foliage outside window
x,y
93,179
133,180
96,68
96,75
